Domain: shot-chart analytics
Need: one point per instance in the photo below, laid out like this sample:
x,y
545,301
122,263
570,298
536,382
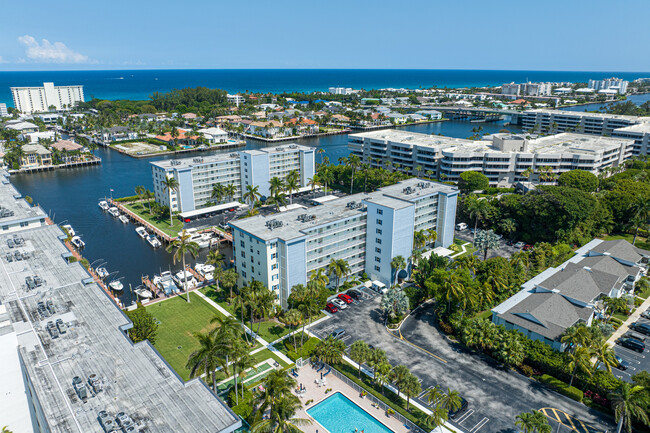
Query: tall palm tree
x,y
170,184
180,247
319,277
276,186
376,358
353,163
419,239
330,350
382,374
207,358
313,182
411,387
282,419
641,214
398,263
218,192
628,404
360,352
579,359
452,288
252,194
292,183
241,362
398,376
215,258
540,423
526,422
605,355
340,269
477,209
432,235
321,151
326,176
230,190
293,318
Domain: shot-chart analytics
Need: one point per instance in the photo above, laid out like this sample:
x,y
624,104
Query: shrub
x,y
247,398
307,349
127,199
446,328
561,387
526,370
243,409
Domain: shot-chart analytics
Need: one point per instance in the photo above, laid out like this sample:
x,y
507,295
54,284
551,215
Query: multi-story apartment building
x,y
29,100
640,133
609,84
576,121
366,230
197,176
527,89
504,159
3,110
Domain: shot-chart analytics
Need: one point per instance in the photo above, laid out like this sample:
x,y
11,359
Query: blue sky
x,y
584,35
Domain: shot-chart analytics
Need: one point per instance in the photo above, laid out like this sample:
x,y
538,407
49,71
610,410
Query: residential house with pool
x,y
573,292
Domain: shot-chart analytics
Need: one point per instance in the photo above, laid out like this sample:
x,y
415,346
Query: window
x,y
377,268
380,211
377,259
241,243
5,227
378,250
274,277
243,274
378,222
378,231
378,241
276,287
274,255
243,254
275,266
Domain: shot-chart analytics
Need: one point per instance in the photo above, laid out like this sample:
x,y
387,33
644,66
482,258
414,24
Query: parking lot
x,y
495,395
637,362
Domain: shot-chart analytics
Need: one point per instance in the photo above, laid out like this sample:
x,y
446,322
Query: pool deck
x,y
308,376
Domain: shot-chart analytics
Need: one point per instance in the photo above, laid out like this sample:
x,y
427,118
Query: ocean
x,y
140,84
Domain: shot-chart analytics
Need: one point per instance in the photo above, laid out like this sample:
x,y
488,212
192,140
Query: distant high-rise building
x,y
30,100
609,84
340,90
526,89
3,110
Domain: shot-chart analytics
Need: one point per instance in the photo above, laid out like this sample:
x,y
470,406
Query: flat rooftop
x,y
337,210
643,128
412,138
135,379
8,200
632,119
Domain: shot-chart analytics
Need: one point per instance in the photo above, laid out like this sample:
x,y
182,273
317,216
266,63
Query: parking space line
x,y
424,392
480,425
401,337
465,416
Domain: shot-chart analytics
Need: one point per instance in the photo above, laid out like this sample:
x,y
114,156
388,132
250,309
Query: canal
x,y
71,196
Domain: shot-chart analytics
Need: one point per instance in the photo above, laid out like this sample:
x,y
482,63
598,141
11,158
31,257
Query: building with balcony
x,y
616,84
30,100
505,160
197,176
576,121
572,293
35,155
365,230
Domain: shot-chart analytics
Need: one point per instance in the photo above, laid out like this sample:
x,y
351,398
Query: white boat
x,y
141,231
166,283
101,272
77,242
204,269
103,204
68,228
179,278
124,219
153,241
116,285
114,211
142,292
203,240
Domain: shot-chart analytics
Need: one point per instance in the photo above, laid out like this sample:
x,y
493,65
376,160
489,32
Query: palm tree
x,y
275,185
277,384
230,190
477,209
419,239
139,191
353,163
525,422
170,184
486,240
330,351
432,235
375,359
340,269
641,214
360,352
292,184
451,401
180,247
252,194
398,263
540,423
293,318
629,403
215,258
605,355
281,419
398,376
411,387
319,277
382,374
242,361
579,359
452,288
218,192
313,182
326,176
207,358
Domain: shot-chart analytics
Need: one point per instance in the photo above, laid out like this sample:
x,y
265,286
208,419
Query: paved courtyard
x,y
495,395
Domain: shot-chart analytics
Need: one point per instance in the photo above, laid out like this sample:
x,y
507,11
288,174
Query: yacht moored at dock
x,y
68,228
180,277
101,272
124,219
141,231
103,204
116,285
165,282
153,241
142,292
77,242
114,211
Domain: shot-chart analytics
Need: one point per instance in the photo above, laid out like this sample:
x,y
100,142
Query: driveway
x,y
495,395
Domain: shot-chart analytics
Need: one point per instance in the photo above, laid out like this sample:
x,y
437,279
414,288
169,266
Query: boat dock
x,y
139,220
71,164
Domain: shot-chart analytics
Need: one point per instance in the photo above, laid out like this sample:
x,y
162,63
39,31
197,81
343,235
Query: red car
x,y
345,298
528,247
331,308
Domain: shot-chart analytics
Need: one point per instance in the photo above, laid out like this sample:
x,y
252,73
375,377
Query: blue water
x,y
338,414
637,99
140,84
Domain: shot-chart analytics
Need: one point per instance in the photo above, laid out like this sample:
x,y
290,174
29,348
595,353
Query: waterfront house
x,y
21,126
118,133
38,136
35,155
303,126
189,116
184,137
214,135
268,129
70,151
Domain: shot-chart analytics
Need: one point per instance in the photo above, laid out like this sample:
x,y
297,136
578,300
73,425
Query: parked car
x,y
463,408
345,298
528,247
646,314
520,245
379,287
643,328
331,308
354,294
635,335
340,304
461,226
621,364
633,344
338,333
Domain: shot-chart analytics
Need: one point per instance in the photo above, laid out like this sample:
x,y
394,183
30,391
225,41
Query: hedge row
x,y
129,198
307,348
561,387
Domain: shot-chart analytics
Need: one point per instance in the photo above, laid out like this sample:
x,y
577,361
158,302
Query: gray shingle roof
x,y
621,249
579,283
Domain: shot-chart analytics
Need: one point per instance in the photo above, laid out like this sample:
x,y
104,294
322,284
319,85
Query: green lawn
x,y
178,322
142,210
269,330
487,314
628,237
643,293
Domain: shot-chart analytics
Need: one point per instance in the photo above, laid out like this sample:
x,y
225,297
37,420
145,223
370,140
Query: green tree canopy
x,y
580,179
472,180
144,325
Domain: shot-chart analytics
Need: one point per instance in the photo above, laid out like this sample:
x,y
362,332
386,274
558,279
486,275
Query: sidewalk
x,y
626,325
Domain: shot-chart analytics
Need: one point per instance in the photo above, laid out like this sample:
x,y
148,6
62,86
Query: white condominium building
x,y
527,89
609,84
197,176
576,121
29,100
503,160
365,230
3,110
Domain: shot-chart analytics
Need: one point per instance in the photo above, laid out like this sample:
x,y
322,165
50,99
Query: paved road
x,y
495,395
637,361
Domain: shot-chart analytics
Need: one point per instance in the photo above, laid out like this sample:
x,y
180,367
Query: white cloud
x,y
48,52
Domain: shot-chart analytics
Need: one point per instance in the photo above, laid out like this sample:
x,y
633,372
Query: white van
x,y
461,226
379,287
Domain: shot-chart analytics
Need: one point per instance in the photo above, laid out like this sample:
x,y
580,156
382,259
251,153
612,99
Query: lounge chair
x,y
327,372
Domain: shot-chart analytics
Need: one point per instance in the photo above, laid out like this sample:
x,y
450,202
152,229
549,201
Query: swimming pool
x,y
339,414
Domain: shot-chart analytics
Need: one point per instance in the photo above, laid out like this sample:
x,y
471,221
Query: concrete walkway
x,y
626,325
